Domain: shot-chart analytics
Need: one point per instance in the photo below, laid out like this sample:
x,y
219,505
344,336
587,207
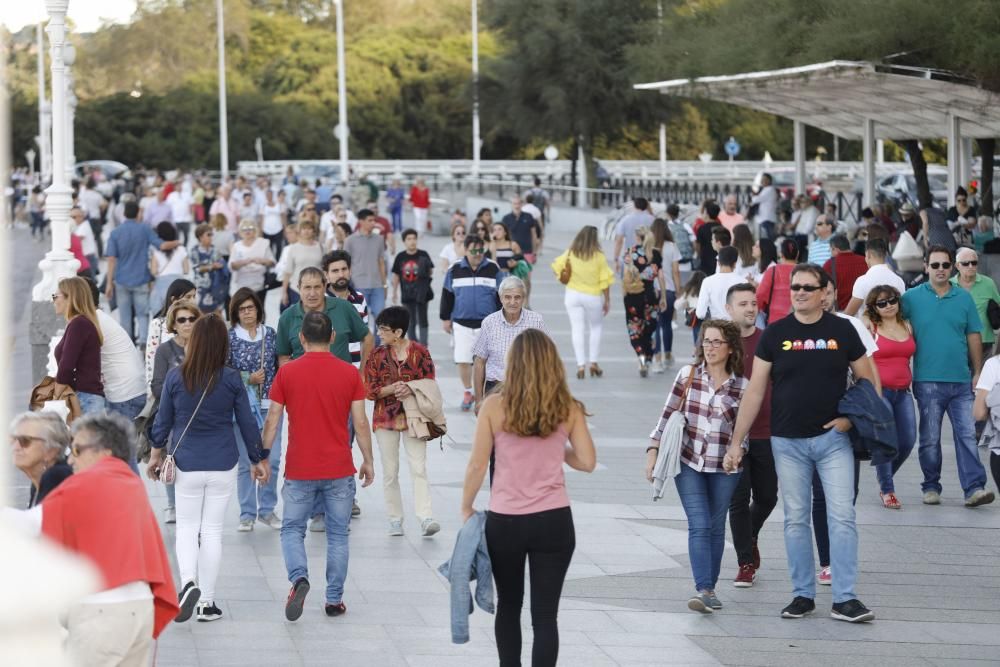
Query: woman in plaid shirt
x,y
713,388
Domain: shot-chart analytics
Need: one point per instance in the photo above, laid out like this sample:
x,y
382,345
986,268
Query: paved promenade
x,y
931,574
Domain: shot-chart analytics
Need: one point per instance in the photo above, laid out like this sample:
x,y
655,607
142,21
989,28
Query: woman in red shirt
x,y
774,295
78,354
389,367
894,336
420,200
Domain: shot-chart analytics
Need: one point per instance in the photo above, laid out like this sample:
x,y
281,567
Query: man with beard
x,y
337,266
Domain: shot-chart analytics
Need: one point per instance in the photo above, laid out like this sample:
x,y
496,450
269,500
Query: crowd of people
x,y
783,315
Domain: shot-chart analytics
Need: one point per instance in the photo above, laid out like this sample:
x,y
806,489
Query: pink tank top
x,y
892,359
529,473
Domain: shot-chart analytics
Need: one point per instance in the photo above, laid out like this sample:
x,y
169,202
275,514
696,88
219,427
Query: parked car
x,y
110,168
900,187
314,172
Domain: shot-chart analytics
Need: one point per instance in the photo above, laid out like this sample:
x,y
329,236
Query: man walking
x,y
368,251
320,393
879,273
337,265
128,270
759,476
625,236
806,357
715,289
946,367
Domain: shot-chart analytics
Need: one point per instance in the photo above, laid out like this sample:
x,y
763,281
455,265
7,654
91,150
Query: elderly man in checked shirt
x,y
496,335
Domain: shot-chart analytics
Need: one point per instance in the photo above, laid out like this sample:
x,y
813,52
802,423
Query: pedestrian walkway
x,y
931,574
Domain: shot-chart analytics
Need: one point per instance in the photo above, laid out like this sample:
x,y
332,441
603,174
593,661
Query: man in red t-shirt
x,y
759,474
319,391
844,268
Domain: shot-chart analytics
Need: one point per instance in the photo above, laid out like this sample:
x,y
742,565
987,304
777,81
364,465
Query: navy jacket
x,y
873,432
469,561
469,296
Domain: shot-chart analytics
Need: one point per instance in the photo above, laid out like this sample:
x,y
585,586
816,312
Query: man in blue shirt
x,y
128,270
946,367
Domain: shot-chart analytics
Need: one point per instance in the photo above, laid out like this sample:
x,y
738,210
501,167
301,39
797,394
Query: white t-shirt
x,y
173,265
251,275
807,221
990,375
86,235
767,204
712,297
91,200
871,347
880,274
180,206
448,253
272,218
121,364
533,211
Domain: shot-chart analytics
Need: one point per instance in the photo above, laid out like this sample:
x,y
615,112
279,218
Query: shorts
x,y
465,339
531,258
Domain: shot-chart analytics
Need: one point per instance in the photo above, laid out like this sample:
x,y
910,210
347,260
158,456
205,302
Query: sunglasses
x,y
184,320
884,303
24,441
476,251
246,229
971,262
805,288
940,265
76,449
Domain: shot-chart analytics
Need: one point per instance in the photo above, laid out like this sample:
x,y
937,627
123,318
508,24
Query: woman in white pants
x,y
197,404
584,270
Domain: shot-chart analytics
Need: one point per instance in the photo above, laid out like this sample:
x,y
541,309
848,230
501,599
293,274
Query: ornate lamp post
x,y
44,115
69,57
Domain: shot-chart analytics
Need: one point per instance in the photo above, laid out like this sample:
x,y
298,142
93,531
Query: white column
x,y
879,151
69,57
954,155
663,150
59,262
476,141
44,115
223,117
799,135
344,132
868,167
581,184
965,163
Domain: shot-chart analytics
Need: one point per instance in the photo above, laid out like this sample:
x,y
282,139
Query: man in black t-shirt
x,y
412,271
703,239
806,357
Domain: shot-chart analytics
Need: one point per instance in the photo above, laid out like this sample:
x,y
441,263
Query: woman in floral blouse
x,y
643,266
252,352
389,367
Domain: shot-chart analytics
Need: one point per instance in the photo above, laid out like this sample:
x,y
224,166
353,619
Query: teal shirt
x,y
983,291
940,326
346,323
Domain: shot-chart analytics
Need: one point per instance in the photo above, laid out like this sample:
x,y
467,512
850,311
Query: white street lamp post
x,y
343,131
44,114
223,120
476,142
69,58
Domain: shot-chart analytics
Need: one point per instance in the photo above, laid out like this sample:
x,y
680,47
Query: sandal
x,y
890,501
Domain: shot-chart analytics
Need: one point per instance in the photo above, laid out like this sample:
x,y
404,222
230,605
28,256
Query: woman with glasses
x,y
40,441
200,401
708,393
78,354
896,346
252,351
389,368
306,251
453,252
250,259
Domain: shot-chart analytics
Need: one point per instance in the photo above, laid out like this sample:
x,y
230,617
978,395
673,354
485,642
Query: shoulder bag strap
x,y
193,415
687,387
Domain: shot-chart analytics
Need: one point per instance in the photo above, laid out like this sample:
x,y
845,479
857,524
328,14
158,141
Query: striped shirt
x,y
495,337
710,417
357,299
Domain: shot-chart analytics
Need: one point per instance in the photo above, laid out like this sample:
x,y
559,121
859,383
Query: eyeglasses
x,y
57,296
713,343
185,320
249,308
24,441
805,288
940,265
971,262
821,223
476,251
885,303
244,230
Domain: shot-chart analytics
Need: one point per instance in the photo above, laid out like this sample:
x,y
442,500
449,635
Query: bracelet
x,y
652,447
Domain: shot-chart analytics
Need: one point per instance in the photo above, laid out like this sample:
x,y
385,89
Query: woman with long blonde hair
x,y
78,354
643,267
527,424
588,296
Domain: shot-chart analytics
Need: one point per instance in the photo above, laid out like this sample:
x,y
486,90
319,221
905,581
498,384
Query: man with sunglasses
x,y
806,357
946,367
981,288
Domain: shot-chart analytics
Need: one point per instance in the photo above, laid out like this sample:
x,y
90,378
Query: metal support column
x,y
799,133
868,168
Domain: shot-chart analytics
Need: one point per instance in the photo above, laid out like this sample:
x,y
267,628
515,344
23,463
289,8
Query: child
x,y
209,271
413,269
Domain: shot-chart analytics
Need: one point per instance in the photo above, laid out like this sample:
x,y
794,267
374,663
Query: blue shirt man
x,y
946,367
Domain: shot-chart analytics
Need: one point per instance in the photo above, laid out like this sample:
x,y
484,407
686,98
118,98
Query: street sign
x,y
732,147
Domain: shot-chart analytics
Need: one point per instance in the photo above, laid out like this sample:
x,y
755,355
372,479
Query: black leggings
x,y
547,540
746,519
820,527
418,321
995,467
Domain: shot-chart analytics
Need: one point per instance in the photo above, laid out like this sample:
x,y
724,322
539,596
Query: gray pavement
x,y
931,574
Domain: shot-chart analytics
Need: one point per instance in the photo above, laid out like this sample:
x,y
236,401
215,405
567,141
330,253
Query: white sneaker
x,y
170,515
271,520
429,527
317,524
395,528
246,525
659,367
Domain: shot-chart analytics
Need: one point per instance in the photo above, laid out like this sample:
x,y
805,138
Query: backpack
x,y
682,239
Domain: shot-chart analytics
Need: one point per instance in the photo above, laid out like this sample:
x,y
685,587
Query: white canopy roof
x,y
840,95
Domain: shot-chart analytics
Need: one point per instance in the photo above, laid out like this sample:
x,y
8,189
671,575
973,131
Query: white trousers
x,y
419,219
202,499
416,456
586,311
118,634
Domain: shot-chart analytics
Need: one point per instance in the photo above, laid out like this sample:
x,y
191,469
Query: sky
x,y
87,15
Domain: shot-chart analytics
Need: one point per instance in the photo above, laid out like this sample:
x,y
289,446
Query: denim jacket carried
x,y
991,429
873,426
469,561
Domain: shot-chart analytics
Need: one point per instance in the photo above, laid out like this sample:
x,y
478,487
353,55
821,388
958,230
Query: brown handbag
x,y
567,272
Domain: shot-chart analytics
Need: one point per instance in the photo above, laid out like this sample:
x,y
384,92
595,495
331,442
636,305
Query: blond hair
x,y
586,244
176,307
80,301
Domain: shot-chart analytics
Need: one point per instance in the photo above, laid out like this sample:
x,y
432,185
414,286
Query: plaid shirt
x,y
495,337
710,417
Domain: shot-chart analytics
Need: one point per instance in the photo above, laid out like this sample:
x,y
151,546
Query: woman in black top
x,y
40,441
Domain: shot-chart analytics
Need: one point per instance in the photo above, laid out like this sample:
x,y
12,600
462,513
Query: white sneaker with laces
x,y
170,515
246,525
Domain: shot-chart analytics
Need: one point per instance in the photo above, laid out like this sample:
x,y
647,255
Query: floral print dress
x,y
640,309
213,285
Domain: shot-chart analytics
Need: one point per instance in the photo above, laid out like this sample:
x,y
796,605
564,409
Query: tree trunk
x,y
986,149
919,165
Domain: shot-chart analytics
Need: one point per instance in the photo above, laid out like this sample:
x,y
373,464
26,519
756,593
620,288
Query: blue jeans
x,y
90,403
317,512
246,488
299,497
130,409
375,296
901,402
663,337
832,456
705,497
934,399
133,302
397,219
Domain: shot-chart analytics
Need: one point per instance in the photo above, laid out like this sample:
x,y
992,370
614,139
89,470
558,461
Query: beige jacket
x,y
424,406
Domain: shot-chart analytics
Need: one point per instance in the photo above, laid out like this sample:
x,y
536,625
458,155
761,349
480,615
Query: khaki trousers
x,y
416,456
107,635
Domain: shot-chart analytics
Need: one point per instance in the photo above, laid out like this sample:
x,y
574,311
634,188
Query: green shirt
x,y
346,323
941,325
983,291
